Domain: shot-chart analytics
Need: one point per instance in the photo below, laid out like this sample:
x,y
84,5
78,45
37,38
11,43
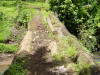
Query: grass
x,y
45,15
81,68
61,57
11,15
17,67
8,15
7,20
4,33
8,48
37,4
64,46
65,50
7,3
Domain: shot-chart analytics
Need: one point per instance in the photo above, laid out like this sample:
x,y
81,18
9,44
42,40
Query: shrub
x,y
81,19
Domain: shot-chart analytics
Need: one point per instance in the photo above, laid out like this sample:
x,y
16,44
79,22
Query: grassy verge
x,y
13,16
17,67
37,4
8,48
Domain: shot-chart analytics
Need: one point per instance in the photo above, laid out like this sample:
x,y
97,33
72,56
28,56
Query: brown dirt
x,y
5,61
17,35
36,45
41,61
38,48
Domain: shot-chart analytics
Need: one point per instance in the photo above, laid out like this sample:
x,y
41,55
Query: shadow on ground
x,y
38,63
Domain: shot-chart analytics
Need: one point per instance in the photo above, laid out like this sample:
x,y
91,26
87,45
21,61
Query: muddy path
x,y
37,46
41,61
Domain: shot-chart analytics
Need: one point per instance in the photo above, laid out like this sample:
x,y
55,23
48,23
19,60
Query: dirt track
x,y
36,45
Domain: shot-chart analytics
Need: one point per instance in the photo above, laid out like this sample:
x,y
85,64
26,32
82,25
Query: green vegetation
x,y
37,4
8,48
82,68
81,17
16,14
7,15
13,14
6,21
61,57
18,67
67,49
45,14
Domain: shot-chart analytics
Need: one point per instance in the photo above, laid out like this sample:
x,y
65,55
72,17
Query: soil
x,y
5,61
36,45
41,60
17,34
